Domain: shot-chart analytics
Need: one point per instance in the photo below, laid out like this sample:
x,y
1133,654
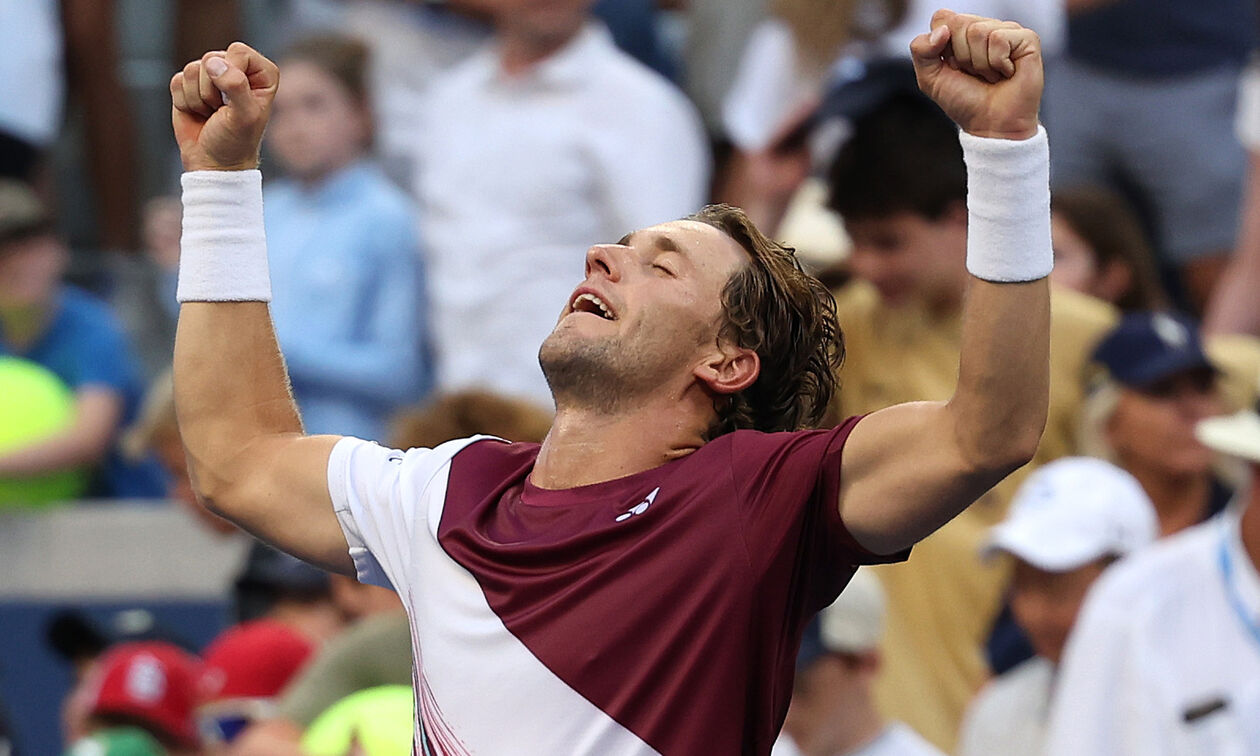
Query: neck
x,y
1180,500
853,727
314,179
588,446
521,47
1249,527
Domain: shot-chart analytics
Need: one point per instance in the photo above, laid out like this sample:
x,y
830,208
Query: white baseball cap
x,y
853,623
1072,512
1236,435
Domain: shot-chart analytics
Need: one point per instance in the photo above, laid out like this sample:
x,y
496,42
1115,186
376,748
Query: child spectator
x,y
75,336
348,298
1070,520
1100,249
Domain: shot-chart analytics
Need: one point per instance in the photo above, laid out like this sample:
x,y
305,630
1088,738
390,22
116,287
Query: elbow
x,y
998,451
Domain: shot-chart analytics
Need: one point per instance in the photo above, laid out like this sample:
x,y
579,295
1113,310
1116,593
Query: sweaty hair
x,y
343,58
788,318
1106,222
902,157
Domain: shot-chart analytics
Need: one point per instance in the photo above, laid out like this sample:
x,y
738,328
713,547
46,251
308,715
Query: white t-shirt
x,y
32,85
1165,656
520,175
1009,714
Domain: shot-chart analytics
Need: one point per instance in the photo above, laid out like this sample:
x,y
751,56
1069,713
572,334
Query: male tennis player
x,y
638,583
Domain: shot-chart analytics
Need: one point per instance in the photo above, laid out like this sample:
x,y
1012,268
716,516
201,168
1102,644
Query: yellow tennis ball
x,y
34,404
378,721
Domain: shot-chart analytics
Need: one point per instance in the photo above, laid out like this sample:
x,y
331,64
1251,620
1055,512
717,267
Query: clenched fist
x,y
987,75
220,106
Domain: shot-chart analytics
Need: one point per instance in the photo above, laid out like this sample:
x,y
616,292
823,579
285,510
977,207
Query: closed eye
x,y
665,270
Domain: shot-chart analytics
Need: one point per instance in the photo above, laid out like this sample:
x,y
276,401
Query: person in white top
x,y
1165,658
548,141
1069,521
833,711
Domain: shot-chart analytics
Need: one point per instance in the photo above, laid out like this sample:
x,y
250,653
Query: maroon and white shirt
x,y
656,613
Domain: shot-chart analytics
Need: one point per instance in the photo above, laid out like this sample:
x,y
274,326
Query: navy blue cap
x,y
1147,347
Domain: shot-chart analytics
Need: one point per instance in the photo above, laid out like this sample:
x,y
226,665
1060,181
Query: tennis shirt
x,y
1165,656
656,613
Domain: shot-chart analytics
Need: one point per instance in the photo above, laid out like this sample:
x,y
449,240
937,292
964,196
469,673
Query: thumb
x,y
234,85
926,51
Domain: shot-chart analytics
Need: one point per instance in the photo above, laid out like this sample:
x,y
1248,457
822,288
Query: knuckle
x,y
192,68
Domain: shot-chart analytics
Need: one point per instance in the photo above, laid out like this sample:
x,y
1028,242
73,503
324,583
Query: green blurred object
x,y
373,722
34,404
118,741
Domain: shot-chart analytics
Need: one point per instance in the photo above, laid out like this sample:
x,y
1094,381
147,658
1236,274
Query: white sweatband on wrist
x,y
223,249
1008,207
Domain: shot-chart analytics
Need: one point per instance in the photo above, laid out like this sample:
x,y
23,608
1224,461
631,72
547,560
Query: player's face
x,y
647,314
911,259
1045,604
316,125
1153,429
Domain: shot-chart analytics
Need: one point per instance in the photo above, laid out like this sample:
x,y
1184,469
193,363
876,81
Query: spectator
x,y
35,405
1158,384
899,184
1144,100
1069,521
348,304
547,142
1165,657
833,711
76,337
141,693
247,667
1100,249
377,651
277,586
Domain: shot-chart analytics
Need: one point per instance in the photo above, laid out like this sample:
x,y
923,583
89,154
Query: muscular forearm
x,y
999,408
231,388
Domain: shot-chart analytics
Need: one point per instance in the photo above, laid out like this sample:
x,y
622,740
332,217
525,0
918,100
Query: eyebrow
x,y
659,240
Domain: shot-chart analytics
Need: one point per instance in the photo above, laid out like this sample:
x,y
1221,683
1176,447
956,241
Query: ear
x,y
729,369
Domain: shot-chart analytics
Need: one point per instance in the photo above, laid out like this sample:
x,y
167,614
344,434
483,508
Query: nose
x,y
605,259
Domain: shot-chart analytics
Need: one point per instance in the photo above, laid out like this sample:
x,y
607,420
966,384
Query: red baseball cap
x,y
153,682
254,659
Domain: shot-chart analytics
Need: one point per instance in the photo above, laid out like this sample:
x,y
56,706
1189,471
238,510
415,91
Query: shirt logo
x,y
639,508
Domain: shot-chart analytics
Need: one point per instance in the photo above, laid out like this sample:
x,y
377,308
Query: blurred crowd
x,y
435,171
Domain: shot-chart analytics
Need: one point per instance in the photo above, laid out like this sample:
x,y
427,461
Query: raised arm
x,y
909,469
248,458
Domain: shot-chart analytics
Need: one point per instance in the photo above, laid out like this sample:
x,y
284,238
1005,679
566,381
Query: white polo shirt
x,y
1165,656
520,174
1009,714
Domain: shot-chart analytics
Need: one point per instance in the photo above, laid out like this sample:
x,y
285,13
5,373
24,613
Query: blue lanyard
x,y
1231,591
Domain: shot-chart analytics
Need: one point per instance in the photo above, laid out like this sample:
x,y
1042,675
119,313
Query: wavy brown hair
x,y
788,318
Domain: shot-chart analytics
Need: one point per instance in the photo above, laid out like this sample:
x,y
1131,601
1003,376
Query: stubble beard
x,y
604,377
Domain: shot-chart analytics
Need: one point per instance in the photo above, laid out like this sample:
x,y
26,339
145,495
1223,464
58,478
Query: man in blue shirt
x,y
76,337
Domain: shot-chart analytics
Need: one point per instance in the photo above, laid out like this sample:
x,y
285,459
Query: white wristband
x,y
1008,207
223,249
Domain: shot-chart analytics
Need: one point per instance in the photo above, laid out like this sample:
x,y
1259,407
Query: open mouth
x,y
589,303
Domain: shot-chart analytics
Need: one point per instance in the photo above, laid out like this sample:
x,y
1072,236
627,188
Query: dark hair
x,y
903,156
1107,223
788,318
343,58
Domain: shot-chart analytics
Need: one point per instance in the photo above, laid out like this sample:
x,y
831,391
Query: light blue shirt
x,y
348,299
